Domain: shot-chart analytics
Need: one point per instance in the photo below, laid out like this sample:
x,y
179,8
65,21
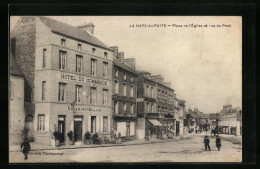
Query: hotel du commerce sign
x,y
82,79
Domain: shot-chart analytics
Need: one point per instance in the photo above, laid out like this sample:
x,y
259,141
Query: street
x,y
191,149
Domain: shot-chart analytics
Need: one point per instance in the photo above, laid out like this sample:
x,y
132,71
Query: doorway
x,y
78,128
177,128
61,128
128,130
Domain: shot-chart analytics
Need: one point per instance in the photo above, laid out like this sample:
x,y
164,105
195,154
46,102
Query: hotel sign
x,y
84,109
82,79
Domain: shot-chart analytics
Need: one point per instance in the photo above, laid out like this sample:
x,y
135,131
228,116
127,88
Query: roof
x,y
71,31
124,66
14,68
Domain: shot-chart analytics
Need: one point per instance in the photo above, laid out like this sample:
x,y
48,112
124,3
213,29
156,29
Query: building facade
x,y
70,72
230,120
124,96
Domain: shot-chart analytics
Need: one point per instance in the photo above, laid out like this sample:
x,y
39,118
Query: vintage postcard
x,y
90,89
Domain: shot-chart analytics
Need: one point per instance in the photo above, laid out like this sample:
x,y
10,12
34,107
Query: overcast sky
x,y
204,65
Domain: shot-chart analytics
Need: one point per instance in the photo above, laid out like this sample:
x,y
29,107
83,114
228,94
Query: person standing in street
x,y
206,142
25,147
218,142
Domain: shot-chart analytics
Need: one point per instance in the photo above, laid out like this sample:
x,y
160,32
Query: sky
x,y
203,64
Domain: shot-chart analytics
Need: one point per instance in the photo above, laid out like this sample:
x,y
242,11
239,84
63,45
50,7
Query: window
x,y
44,58
93,50
78,93
148,107
132,78
105,97
115,107
105,124
124,76
124,89
105,65
132,109
79,47
147,91
151,91
116,87
41,122
93,124
124,107
11,90
62,60
132,91
105,54
78,63
93,95
63,41
43,90
152,108
61,94
116,73
93,67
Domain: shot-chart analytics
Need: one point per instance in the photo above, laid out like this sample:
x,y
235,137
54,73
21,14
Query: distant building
x,y
230,120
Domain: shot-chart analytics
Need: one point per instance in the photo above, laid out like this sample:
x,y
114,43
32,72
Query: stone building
x,y
147,114
230,120
165,103
69,71
124,95
180,116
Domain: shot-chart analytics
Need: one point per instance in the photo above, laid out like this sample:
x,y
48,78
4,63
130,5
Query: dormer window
x,y
105,54
79,47
63,41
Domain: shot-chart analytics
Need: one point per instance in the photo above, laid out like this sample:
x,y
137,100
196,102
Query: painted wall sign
x,y
84,109
83,79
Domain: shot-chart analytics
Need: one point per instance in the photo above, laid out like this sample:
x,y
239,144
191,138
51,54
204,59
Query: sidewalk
x,y
227,137
37,146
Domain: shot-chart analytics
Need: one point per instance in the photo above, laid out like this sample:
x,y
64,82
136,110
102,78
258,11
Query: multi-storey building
x,y
70,72
180,115
124,96
230,120
165,103
148,124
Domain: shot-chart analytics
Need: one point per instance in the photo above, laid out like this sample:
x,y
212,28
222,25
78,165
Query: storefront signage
x,y
82,79
84,109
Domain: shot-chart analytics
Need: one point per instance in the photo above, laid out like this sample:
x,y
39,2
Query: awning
x,y
155,122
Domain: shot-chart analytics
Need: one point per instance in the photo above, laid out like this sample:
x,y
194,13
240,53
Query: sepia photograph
x,y
109,89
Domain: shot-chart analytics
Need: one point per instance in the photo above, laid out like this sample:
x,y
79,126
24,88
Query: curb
x,y
97,146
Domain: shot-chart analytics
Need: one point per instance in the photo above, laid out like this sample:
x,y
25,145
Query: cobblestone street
x,y
191,149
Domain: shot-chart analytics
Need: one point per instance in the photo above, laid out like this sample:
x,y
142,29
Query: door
x,y
128,130
77,129
177,128
61,127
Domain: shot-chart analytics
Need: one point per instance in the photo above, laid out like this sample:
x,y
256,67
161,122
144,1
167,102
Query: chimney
x,y
130,62
120,56
157,78
115,50
89,27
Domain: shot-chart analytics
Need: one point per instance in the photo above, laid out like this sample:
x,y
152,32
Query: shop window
x,y
44,58
78,93
62,91
105,96
93,67
41,122
105,124
43,90
62,60
93,124
79,63
105,66
93,95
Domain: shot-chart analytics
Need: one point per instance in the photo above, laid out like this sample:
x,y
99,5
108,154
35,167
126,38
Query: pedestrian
x,y
25,148
88,135
206,142
218,142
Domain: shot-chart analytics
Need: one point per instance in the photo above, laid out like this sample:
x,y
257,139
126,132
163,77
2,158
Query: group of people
x,y
115,136
95,138
207,141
